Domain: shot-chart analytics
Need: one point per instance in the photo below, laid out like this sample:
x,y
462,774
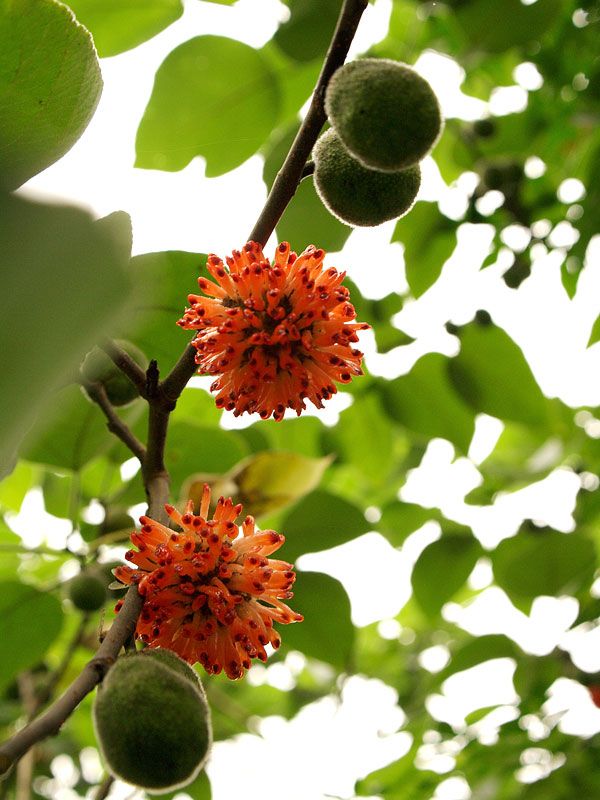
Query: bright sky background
x,y
331,743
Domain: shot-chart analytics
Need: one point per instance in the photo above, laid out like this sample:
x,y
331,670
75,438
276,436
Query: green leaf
x,y
327,632
308,31
305,220
164,281
493,377
399,520
425,402
14,487
320,521
270,481
57,491
72,431
212,97
429,239
59,259
50,85
119,25
476,651
197,448
30,620
302,435
364,437
543,562
442,569
494,26
378,314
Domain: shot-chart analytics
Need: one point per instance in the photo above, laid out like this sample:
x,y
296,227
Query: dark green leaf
x,y
493,377
30,620
307,33
50,85
495,26
399,520
56,258
327,632
319,521
543,562
72,432
479,650
119,25
442,569
212,97
429,239
424,402
165,280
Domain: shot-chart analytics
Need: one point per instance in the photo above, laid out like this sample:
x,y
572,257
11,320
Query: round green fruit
x,y
87,592
357,195
172,661
97,367
384,112
152,724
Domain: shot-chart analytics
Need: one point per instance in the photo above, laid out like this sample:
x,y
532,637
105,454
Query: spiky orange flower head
x,y
211,594
274,334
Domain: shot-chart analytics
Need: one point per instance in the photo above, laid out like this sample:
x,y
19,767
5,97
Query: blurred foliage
x,y
321,485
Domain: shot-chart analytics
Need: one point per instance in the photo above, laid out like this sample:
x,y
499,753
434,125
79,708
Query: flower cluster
x,y
211,594
274,334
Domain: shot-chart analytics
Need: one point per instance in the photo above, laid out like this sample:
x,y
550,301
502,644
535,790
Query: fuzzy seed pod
x,y
97,367
357,195
152,723
384,112
87,592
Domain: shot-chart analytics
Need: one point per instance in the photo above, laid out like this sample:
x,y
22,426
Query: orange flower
x,y
210,593
274,334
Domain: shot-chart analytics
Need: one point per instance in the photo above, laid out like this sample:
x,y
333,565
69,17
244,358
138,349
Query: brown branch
x,y
176,381
104,788
115,424
126,364
290,174
50,722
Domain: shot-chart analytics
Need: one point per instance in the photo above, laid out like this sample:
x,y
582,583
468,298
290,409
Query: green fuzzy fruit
x,y
87,592
384,112
357,195
97,367
152,724
172,661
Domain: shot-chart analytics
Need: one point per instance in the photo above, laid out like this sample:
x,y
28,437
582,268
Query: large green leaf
x,y
50,85
57,261
165,280
212,97
198,449
478,650
319,521
327,632
495,26
493,377
119,25
442,569
543,562
72,431
429,239
30,620
305,220
399,520
424,402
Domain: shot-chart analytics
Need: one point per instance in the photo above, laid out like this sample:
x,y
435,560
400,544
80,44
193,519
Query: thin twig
x,y
126,364
50,722
290,174
115,424
104,788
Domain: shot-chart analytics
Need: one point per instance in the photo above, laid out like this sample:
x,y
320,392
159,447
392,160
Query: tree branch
x,y
290,174
50,722
126,364
115,424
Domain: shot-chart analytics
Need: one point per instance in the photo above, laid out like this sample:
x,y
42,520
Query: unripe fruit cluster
x,y
97,367
152,721
385,118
